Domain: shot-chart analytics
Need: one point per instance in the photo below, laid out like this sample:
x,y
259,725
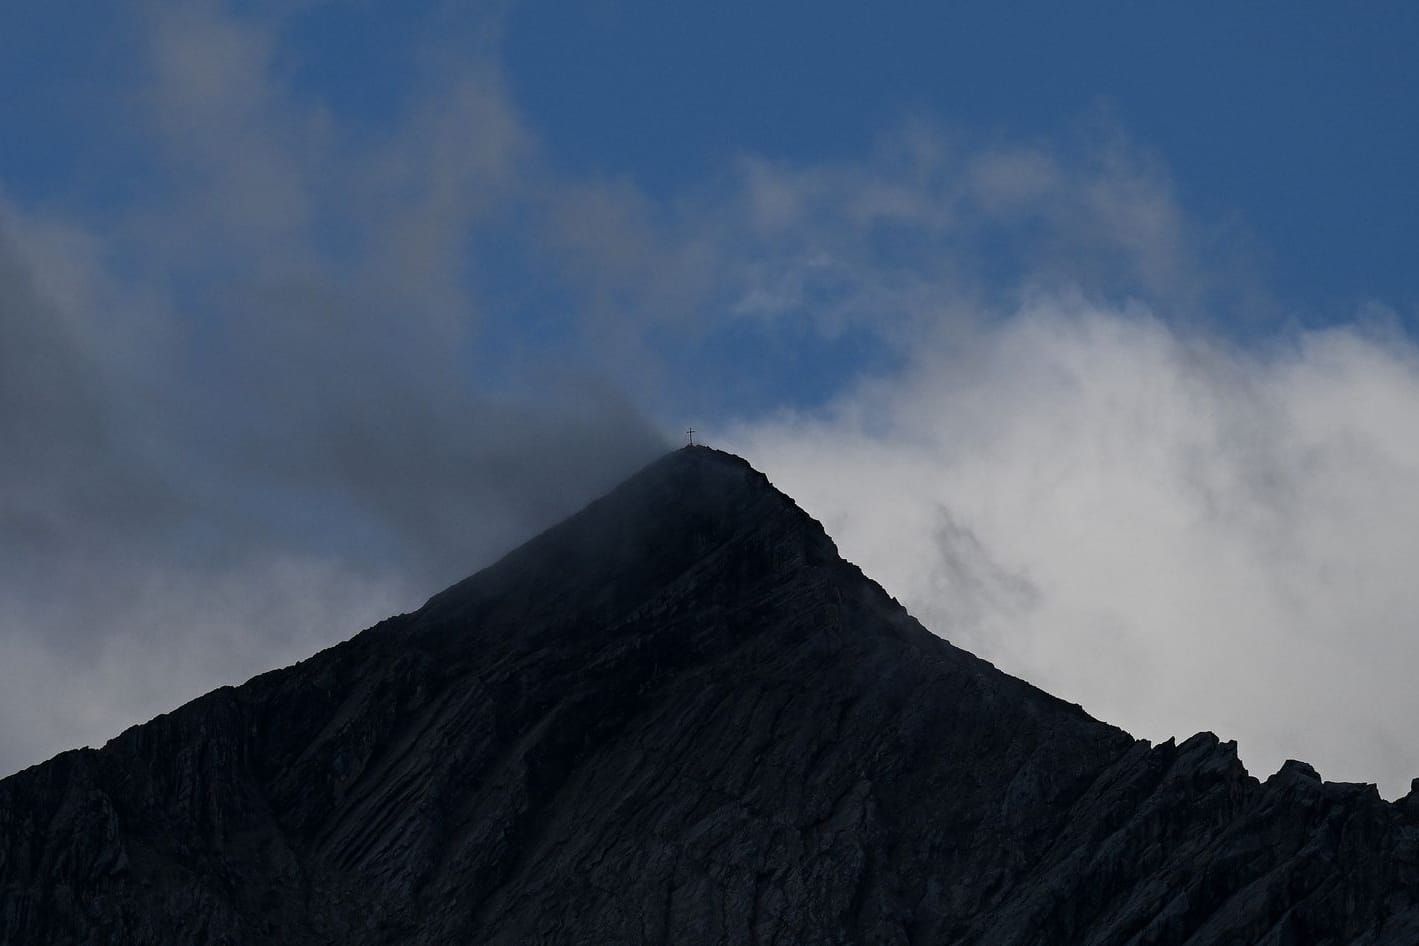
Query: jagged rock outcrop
x,y
680,717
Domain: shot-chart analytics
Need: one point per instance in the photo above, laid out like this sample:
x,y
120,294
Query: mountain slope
x,y
679,716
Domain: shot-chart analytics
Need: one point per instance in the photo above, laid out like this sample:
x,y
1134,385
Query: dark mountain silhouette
x,y
680,717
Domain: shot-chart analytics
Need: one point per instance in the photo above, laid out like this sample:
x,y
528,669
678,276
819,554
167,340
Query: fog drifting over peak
x,y
244,409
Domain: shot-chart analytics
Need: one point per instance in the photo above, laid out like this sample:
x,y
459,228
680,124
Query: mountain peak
x,y
679,716
690,504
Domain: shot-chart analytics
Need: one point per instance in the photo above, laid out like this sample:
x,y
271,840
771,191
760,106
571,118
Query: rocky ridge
x,y
680,716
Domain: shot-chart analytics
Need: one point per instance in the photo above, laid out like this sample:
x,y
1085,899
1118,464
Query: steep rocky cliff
x,y
680,717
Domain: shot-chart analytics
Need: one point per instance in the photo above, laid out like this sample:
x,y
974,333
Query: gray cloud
x,y
252,411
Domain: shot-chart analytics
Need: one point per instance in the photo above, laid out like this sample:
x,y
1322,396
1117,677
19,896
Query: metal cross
x,y
691,434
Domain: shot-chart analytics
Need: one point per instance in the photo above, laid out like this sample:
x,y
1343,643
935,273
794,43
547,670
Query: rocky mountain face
x,y
680,717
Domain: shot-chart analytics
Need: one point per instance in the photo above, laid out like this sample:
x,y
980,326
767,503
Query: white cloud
x,y
1179,534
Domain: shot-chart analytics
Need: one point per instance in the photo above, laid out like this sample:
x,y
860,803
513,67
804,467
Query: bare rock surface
x,y
680,717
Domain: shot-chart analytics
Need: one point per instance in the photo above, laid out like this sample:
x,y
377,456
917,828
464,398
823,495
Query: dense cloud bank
x,y
1179,534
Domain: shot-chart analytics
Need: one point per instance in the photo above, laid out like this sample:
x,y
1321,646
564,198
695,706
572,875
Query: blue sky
x,y
1090,331
1295,121
1300,119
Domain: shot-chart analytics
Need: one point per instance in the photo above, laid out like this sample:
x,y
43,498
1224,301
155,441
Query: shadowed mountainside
x,y
679,716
